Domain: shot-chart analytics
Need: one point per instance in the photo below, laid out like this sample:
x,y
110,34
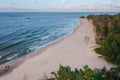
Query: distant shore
x,y
76,50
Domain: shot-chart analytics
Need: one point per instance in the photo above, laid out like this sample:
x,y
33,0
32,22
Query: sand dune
x,y
74,50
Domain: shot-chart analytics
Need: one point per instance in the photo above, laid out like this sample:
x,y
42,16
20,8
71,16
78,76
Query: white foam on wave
x,y
46,37
11,57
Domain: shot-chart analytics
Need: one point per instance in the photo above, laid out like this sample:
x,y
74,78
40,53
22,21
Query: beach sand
x,y
76,50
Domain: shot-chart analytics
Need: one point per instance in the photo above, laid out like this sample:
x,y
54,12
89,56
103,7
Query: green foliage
x,y
108,36
65,73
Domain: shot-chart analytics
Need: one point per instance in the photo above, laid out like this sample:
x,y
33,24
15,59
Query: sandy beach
x,y
76,50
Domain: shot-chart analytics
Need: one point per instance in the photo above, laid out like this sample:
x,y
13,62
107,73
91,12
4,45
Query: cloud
x,y
37,6
65,1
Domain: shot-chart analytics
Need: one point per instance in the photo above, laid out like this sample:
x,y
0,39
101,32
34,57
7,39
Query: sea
x,y
23,32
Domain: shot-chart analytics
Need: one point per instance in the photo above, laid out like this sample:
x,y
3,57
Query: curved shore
x,y
75,50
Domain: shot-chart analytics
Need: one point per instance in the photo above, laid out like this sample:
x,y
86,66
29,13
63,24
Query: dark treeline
x,y
107,36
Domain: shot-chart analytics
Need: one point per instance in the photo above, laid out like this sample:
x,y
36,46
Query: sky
x,y
59,5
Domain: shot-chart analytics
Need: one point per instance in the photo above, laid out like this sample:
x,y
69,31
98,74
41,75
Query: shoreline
x,y
18,61
42,55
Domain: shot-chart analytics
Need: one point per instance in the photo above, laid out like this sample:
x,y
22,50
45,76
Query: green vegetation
x,y
107,36
65,73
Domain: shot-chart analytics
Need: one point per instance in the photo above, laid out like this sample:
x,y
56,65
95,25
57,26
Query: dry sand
x,y
75,50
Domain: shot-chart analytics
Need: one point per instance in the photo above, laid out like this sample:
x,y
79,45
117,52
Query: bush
x,y
65,73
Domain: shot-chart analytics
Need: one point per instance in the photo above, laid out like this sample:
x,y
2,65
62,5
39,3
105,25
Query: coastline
x,y
62,53
18,61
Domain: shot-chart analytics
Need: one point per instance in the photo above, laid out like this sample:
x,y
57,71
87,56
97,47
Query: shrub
x,y
65,73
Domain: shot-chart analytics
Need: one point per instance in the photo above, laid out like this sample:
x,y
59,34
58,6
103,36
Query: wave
x,y
15,55
10,45
46,37
12,56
